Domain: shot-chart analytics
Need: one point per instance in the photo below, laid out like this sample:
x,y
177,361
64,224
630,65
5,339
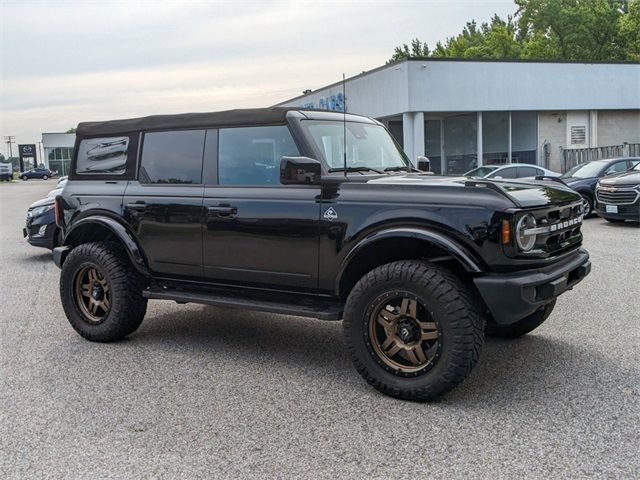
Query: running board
x,y
306,306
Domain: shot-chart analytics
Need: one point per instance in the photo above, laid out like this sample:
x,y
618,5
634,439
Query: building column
x,y
593,128
407,135
418,135
479,130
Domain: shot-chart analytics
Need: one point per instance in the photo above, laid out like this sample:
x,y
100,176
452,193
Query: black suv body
x,y
254,209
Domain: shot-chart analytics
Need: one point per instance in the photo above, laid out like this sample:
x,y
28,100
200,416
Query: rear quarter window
x,y
102,156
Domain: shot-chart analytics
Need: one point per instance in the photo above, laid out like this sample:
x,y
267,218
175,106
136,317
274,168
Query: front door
x,y
257,231
164,205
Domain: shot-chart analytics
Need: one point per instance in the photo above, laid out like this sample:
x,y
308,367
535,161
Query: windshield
x,y
368,145
585,170
480,172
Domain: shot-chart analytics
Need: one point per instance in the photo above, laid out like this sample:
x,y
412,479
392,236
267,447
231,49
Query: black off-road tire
x,y
521,327
451,302
128,306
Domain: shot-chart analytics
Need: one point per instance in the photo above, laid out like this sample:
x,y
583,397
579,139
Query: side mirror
x,y
299,170
424,164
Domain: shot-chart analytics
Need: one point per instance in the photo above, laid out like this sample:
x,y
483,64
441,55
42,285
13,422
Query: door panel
x,y
267,236
168,223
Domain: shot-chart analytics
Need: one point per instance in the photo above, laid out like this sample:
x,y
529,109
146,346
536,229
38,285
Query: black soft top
x,y
250,116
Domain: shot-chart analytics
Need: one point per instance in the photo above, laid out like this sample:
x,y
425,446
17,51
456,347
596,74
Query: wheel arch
x,y
394,244
101,228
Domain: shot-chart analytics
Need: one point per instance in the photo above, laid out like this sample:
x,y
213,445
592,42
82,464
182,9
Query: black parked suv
x,y
254,209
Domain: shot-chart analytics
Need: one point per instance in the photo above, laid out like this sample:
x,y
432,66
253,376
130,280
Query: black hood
x,y
42,203
522,193
629,178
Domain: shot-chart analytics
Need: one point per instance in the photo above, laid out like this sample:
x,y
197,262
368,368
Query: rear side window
x,y
527,172
172,157
106,155
251,155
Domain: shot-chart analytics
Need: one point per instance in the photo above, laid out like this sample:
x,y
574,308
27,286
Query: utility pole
x,y
9,140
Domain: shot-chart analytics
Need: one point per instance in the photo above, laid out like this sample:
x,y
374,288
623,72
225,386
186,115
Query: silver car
x,y
510,170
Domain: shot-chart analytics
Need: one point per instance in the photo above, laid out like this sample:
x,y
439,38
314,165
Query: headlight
x,y
526,240
36,212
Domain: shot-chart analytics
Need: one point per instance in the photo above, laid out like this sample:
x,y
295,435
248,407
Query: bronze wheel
x,y
403,334
92,294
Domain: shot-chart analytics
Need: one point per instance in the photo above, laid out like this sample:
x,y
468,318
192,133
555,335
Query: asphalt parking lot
x,y
201,392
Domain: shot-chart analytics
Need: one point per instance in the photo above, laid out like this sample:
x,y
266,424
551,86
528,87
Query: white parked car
x,y
510,170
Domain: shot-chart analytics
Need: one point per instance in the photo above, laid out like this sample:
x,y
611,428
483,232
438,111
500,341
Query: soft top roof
x,y
250,116
227,118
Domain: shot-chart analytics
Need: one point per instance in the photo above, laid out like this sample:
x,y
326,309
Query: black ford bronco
x,y
263,210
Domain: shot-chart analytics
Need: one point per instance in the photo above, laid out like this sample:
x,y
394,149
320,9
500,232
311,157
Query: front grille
x,y
617,196
562,225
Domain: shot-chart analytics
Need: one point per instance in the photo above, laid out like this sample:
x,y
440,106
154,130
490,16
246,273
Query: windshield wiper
x,y
354,169
401,169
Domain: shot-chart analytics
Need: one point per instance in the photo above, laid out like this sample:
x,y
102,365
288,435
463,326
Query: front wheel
x,y
521,327
101,292
413,329
587,205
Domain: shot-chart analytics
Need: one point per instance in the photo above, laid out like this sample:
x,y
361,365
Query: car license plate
x,y
611,208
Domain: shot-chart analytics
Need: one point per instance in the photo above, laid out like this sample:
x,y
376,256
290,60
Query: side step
x,y
301,306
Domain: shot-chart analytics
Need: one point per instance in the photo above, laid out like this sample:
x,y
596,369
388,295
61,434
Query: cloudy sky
x,y
63,62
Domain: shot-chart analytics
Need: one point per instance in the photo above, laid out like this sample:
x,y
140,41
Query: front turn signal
x,y
506,232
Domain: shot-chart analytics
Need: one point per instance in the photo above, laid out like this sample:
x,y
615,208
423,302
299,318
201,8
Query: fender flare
x,y
438,239
121,233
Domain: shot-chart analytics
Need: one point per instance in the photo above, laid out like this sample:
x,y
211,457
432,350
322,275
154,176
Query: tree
x,y
547,30
71,130
417,49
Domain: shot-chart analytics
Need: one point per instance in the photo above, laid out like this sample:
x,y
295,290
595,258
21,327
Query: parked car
x,y
56,191
41,229
618,196
584,177
512,170
43,173
6,172
260,213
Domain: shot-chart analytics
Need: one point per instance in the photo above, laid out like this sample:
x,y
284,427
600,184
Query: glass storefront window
x,y
461,143
432,144
495,138
524,134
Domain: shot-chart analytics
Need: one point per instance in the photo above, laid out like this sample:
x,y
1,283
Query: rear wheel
x,y
101,292
25,178
45,177
521,327
413,330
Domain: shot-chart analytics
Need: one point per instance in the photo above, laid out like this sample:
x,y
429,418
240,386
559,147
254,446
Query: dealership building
x,y
58,148
467,113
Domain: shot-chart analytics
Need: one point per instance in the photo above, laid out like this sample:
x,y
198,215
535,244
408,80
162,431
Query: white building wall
x,y
617,127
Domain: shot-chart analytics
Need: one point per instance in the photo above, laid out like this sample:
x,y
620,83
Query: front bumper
x,y
512,297
40,234
622,212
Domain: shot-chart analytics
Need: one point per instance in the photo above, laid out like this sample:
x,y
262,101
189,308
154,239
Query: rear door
x,y
164,205
257,231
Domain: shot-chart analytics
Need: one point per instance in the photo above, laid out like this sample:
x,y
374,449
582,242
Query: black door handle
x,y
138,206
222,210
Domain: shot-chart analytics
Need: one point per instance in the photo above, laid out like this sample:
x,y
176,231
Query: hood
x,y
526,194
630,178
574,180
42,203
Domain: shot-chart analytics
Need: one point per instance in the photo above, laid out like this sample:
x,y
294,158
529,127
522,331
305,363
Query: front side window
x,y
172,157
509,172
368,146
251,155
106,155
617,168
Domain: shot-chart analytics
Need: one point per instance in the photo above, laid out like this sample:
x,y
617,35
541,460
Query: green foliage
x,y
545,30
71,130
